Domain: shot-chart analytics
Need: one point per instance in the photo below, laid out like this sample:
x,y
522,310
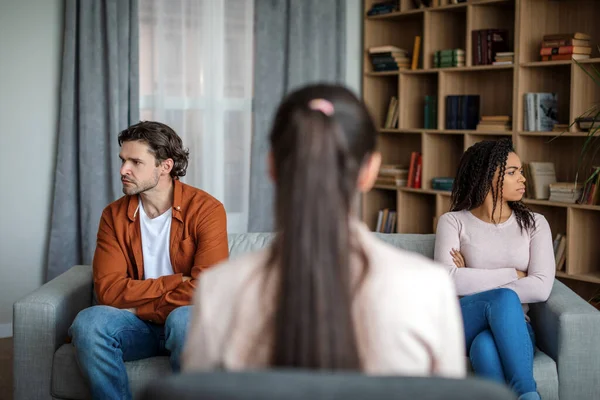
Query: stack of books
x,y
430,112
504,58
384,7
449,58
587,123
442,183
392,174
389,58
499,123
566,46
565,192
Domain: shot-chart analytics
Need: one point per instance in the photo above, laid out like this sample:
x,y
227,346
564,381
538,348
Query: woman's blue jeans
x,y
105,337
499,340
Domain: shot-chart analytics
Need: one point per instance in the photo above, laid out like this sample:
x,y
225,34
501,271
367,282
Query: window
x,y
196,73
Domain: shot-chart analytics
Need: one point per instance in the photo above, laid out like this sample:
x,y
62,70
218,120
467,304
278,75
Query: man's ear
x,y
368,173
167,166
271,166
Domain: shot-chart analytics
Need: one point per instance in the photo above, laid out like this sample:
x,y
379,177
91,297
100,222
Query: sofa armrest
x,y
566,328
40,324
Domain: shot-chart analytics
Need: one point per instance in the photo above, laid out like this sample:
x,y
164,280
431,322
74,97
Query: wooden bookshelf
x,y
501,90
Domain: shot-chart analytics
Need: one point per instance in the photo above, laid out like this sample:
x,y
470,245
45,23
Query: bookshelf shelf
x,y
552,134
382,74
501,90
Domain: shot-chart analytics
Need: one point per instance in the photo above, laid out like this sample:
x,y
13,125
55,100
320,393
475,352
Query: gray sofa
x,y
567,363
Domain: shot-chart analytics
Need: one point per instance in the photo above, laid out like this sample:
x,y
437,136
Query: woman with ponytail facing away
x,y
326,294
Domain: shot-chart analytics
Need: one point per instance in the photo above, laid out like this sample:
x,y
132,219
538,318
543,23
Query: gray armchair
x,y
566,365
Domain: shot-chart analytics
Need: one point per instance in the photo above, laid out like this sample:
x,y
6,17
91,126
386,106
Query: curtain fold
x,y
296,42
98,98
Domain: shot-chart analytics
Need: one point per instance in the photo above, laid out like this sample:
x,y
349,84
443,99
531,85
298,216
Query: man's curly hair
x,y
474,180
164,143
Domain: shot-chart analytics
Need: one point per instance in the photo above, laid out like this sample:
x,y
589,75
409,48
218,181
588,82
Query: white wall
x,y
30,52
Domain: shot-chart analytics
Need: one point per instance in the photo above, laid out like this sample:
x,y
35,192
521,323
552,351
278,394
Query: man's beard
x,y
141,187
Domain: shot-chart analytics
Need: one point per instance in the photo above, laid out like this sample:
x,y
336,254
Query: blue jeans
x,y
499,340
105,337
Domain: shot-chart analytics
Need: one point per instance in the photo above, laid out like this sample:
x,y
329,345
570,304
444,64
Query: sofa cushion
x,y
68,383
240,243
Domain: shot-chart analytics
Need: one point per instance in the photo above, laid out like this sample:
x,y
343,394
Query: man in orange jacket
x,y
152,246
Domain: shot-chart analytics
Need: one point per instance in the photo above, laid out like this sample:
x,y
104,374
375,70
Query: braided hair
x,y
474,180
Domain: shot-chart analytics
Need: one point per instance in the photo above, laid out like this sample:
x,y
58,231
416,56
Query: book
x,y
543,175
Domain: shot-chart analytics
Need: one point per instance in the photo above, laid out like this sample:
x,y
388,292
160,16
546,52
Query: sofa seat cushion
x,y
68,383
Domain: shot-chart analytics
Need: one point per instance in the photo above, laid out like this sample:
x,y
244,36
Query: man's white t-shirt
x,y
155,244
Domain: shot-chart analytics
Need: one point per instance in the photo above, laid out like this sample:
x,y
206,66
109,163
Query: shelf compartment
x,y
413,89
556,217
494,87
375,200
397,148
490,15
584,91
416,212
444,29
441,155
472,138
562,151
541,17
390,33
377,92
554,79
583,251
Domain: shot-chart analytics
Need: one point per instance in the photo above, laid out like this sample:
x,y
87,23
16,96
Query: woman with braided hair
x,y
500,255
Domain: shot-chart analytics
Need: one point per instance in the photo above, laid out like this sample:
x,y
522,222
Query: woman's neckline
x,y
507,222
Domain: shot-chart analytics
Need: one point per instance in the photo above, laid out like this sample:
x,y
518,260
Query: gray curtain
x,y
296,42
98,99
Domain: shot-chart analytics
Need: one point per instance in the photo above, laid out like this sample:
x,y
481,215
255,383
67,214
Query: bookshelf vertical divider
x,y
501,89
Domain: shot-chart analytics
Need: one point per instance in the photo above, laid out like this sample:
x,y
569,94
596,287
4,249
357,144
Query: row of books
x,y
462,111
560,251
540,112
449,58
391,118
542,184
487,43
566,46
430,112
386,221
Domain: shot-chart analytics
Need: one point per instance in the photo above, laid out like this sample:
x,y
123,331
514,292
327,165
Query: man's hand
x,y
521,274
458,258
187,278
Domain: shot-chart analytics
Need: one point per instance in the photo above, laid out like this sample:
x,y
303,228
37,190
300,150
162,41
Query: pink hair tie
x,y
325,106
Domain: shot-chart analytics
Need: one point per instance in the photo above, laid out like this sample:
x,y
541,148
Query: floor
x,y
6,375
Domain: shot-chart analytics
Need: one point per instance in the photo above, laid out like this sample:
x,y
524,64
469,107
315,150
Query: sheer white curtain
x,y
196,69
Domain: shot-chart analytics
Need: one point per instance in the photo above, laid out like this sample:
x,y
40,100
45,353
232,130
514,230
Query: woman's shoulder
x,y
228,275
404,267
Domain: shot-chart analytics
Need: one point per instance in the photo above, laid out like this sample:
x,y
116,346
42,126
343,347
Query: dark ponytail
x,y
317,161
